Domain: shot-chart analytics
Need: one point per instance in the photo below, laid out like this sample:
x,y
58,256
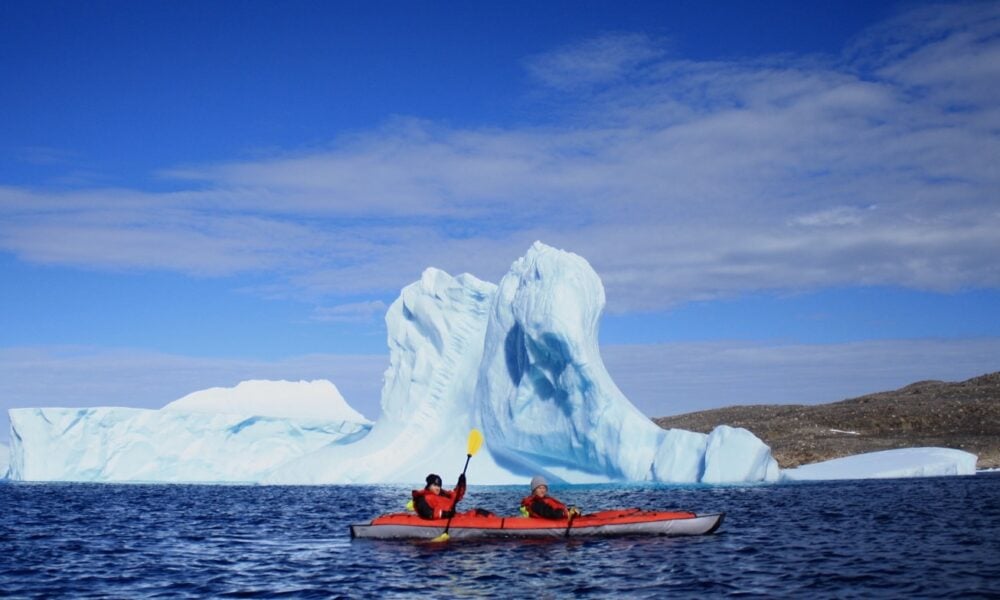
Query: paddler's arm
x,y
542,509
423,509
459,492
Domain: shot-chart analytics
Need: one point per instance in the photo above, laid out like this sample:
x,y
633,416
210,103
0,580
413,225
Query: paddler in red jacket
x,y
542,506
432,502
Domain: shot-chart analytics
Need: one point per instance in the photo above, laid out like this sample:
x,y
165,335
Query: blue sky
x,y
786,201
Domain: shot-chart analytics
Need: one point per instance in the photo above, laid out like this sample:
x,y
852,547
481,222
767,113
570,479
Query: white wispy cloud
x,y
947,53
353,312
677,179
601,60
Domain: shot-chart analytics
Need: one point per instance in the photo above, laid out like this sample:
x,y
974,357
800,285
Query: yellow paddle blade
x,y
475,441
441,538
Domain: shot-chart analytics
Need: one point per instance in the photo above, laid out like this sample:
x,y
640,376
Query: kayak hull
x,y
606,523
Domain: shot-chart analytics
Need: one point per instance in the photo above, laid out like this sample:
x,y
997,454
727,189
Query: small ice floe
x,y
886,464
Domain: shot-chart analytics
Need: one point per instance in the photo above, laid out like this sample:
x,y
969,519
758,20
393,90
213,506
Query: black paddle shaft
x,y
447,526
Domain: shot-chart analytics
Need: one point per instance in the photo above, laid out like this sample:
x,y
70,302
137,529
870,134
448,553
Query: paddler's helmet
x,y
433,479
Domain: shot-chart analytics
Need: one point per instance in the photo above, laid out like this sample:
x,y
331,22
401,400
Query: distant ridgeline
x,y
518,360
963,415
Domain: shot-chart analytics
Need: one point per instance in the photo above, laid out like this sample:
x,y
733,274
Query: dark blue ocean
x,y
911,538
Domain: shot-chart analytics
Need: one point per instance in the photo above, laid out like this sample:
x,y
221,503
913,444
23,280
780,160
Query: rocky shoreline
x,y
963,415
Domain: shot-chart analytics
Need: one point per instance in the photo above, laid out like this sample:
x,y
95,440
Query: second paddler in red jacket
x,y
542,506
432,502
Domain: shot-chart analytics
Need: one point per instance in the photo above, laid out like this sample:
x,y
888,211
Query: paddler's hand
x,y
461,480
574,511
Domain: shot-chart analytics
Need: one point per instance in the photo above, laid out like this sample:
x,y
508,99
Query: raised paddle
x,y
475,441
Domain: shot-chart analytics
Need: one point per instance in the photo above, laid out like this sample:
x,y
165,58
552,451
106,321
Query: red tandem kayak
x,y
605,523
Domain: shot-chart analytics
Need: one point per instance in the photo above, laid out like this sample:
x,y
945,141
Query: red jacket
x,y
545,507
432,506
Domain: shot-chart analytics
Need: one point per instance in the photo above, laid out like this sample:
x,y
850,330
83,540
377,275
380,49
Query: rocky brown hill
x,y
963,415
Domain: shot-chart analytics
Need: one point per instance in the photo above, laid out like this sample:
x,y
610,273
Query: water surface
x,y
914,538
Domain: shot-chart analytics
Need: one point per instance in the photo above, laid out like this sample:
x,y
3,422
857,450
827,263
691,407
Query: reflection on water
x,y
906,538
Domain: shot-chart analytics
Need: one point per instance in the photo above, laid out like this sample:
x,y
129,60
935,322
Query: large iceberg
x,y
542,372
519,360
182,442
436,334
4,459
903,462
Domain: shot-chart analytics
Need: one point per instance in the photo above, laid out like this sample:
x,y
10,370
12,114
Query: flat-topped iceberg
x,y
319,399
903,462
219,434
132,444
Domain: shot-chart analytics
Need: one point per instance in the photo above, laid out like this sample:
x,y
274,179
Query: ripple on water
x,y
909,538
